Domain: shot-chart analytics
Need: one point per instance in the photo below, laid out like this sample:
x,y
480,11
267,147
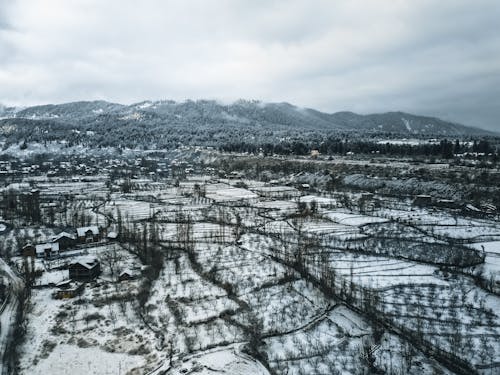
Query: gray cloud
x,y
430,57
3,15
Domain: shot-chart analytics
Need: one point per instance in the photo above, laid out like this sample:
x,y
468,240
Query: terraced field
x,y
230,278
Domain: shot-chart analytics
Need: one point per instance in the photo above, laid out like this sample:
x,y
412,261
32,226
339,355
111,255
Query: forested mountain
x,y
205,122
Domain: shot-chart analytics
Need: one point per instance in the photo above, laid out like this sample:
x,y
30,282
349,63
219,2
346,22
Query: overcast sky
x,y
438,57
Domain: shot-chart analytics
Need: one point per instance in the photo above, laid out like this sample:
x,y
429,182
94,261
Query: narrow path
x,y
314,320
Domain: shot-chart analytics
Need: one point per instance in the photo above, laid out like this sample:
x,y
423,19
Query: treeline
x,y
154,132
336,146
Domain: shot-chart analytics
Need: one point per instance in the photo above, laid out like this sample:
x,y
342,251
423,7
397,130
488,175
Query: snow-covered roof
x,y
68,285
472,208
89,262
40,248
82,230
65,282
63,234
126,272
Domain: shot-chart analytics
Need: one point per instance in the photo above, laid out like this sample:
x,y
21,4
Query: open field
x,y
238,277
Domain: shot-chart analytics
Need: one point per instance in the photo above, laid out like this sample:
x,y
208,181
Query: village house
x,y
47,250
88,234
65,240
87,269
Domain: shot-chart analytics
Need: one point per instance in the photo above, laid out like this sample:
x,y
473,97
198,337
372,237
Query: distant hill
x,y
242,126
243,112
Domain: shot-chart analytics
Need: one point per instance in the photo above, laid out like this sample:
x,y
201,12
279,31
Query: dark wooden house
x,y
85,270
65,240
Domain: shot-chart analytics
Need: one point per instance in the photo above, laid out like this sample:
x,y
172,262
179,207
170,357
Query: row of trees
x,y
306,256
15,204
336,146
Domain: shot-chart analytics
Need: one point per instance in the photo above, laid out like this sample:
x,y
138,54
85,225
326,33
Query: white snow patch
x,y
407,124
70,359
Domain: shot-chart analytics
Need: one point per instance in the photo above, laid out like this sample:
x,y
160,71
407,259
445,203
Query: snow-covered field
x,y
224,361
240,279
223,193
352,219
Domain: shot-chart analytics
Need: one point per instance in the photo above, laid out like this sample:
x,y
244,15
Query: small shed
x,y
68,289
126,275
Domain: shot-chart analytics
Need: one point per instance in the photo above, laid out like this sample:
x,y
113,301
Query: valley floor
x,y
242,277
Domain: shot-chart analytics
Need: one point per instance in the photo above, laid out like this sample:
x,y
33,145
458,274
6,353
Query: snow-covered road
x,y
8,314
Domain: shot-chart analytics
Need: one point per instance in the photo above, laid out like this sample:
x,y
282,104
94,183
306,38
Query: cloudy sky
x,y
439,57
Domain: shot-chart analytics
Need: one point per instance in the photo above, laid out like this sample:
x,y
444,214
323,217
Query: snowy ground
x,y
227,276
223,361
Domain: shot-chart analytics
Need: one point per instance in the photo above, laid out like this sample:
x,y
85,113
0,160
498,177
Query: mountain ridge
x,y
262,114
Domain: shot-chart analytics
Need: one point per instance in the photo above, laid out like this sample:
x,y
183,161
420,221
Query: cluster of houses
x,y
79,271
64,241
83,269
16,171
